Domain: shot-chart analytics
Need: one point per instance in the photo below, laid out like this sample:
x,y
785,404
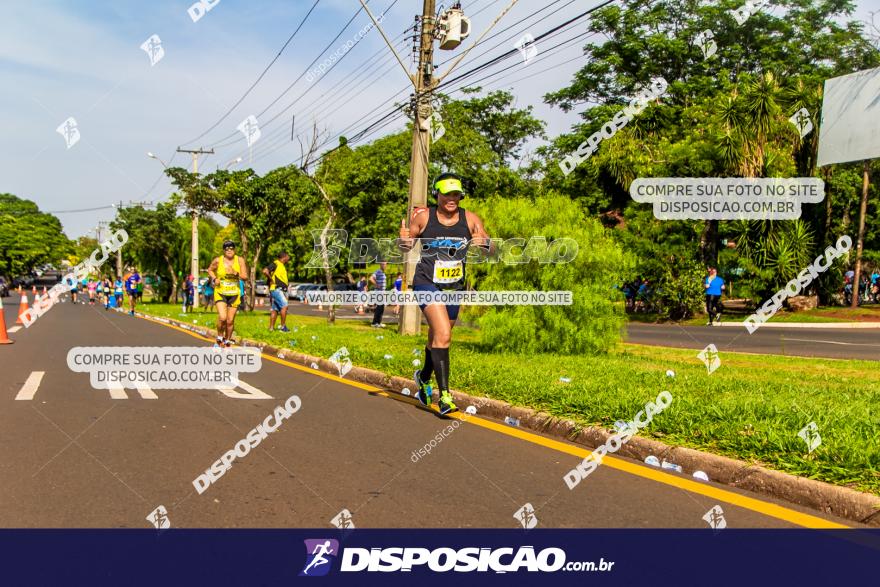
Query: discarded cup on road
x,y
511,421
672,466
565,379
670,373
389,357
653,461
471,410
314,366
405,391
701,475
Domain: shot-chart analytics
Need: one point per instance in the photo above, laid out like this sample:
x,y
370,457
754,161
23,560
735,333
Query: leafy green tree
x,y
592,323
723,116
28,237
156,239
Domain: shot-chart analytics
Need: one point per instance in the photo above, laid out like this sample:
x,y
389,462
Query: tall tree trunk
x,y
325,257
826,234
709,243
242,236
328,273
863,209
171,272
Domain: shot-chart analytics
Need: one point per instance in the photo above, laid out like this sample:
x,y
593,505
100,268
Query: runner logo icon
x,y
320,554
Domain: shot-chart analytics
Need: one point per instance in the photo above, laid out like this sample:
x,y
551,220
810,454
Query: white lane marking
x,y
146,392
253,392
833,342
117,392
13,330
30,386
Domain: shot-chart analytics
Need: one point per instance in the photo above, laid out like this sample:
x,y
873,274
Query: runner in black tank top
x,y
444,233
444,249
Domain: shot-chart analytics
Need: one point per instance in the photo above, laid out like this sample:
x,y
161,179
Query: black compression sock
x,y
428,369
440,358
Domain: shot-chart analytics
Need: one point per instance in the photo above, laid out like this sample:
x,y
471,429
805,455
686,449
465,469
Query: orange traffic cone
x,y
19,288
4,338
44,291
22,308
34,290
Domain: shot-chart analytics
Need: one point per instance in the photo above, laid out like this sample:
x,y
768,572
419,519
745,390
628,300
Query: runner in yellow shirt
x,y
225,273
277,277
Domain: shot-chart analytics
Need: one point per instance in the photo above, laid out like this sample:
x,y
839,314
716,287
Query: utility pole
x,y
119,251
424,81
194,266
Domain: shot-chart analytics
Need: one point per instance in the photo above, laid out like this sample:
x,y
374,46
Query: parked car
x,y
4,288
294,292
261,287
23,280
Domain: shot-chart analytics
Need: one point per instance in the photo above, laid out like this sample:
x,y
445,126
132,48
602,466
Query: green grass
x,y
751,408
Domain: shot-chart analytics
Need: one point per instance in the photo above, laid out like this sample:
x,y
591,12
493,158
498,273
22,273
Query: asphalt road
x,y
74,456
830,342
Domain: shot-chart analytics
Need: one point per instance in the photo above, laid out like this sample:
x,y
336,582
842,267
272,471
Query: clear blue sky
x,y
83,59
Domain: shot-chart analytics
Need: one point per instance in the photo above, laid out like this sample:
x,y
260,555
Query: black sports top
x,y
444,249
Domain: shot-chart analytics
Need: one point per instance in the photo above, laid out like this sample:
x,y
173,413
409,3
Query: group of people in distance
x,y
102,289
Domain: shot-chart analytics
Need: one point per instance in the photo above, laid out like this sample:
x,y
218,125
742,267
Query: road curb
x,y
827,498
814,325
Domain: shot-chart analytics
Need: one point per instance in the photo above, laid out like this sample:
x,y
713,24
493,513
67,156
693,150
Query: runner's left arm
x,y
478,232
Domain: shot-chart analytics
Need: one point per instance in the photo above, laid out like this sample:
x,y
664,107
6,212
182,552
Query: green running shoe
x,y
424,389
446,404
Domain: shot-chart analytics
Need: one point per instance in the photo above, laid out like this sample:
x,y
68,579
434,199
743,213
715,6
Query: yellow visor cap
x,y
444,186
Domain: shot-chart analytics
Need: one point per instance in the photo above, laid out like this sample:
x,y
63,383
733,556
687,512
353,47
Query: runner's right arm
x,y
416,226
212,269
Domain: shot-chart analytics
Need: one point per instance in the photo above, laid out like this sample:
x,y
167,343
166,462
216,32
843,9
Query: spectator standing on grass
x,y
378,280
714,287
875,285
276,274
189,291
398,286
208,290
641,301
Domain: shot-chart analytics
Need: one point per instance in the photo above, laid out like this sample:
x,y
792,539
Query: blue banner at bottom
x,y
468,557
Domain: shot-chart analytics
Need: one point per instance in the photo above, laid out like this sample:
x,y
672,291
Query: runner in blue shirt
x,y
117,291
131,285
714,287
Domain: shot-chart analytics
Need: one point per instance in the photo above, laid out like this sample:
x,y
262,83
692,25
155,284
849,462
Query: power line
x,y
293,83
260,77
395,113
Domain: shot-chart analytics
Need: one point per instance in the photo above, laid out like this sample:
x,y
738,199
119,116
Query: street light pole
x,y
194,265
